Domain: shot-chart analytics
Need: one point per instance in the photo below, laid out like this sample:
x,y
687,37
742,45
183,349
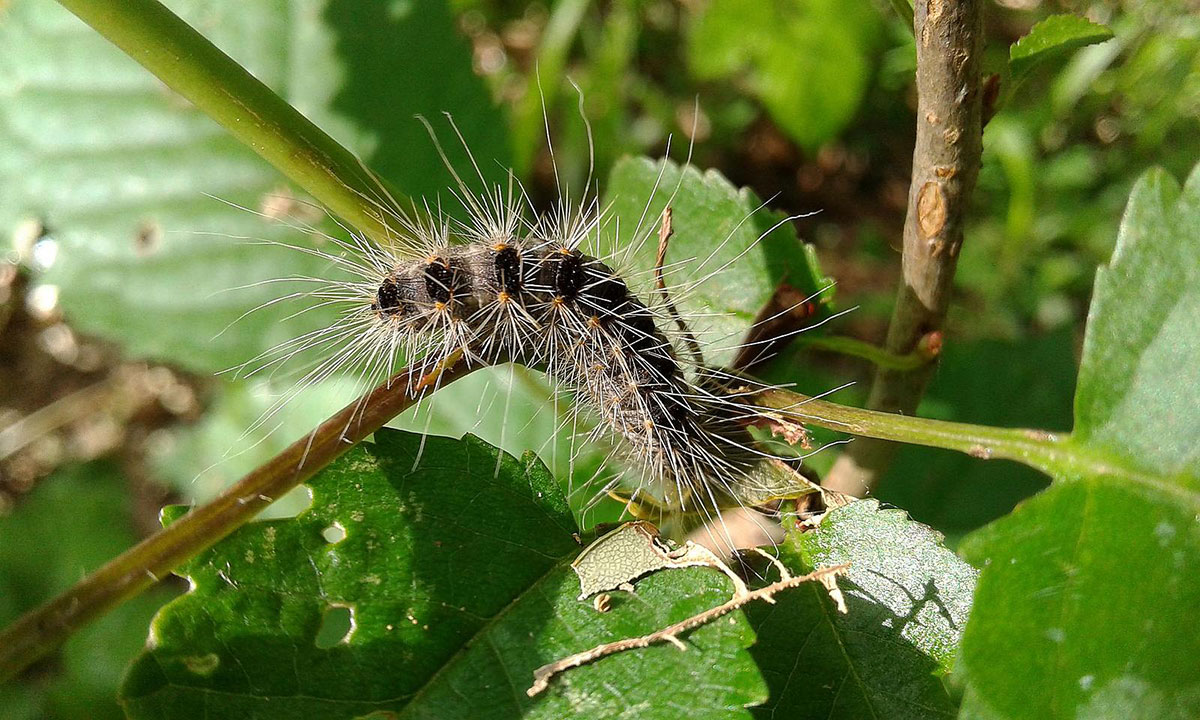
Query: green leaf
x,y
908,598
1055,36
117,169
1139,382
723,240
809,61
1087,586
457,576
72,523
1084,606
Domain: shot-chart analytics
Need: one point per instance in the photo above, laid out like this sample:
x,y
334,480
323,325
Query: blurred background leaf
x,y
1061,158
1055,36
809,61
202,459
116,169
72,524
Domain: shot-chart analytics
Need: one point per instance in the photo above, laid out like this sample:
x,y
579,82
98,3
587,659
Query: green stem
x,y
196,69
867,351
1052,453
43,629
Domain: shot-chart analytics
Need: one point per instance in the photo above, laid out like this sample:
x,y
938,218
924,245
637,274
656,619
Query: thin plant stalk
x,y
871,353
1058,455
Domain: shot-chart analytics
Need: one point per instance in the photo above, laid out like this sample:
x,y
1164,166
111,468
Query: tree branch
x,y
946,162
45,628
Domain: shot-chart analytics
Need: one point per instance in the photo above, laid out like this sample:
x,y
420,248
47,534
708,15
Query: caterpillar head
x,y
393,299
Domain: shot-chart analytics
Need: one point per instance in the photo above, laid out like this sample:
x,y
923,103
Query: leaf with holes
x,y
432,592
908,599
113,170
1089,589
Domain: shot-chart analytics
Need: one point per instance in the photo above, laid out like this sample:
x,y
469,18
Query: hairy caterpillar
x,y
506,286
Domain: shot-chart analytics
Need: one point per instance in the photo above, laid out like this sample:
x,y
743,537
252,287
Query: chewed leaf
x,y
620,557
908,599
634,550
433,593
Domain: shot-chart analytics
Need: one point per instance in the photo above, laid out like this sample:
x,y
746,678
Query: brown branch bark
x,y
946,162
43,629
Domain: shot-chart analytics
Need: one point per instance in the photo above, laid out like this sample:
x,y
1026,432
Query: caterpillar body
x,y
552,306
502,288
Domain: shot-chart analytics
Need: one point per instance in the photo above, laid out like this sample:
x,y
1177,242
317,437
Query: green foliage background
x,y
1086,590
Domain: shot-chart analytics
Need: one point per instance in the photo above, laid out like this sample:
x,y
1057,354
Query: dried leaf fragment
x,y
636,549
